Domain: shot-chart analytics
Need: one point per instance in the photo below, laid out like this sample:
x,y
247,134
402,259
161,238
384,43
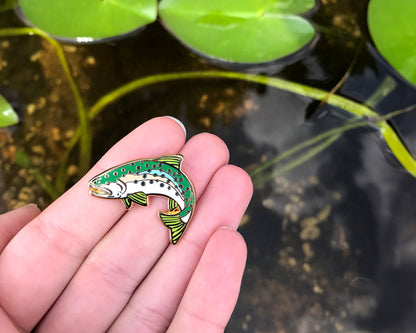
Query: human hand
x,y
88,265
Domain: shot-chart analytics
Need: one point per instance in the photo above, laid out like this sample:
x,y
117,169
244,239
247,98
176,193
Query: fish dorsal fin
x,y
173,160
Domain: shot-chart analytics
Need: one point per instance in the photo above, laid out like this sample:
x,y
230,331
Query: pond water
x,y
332,241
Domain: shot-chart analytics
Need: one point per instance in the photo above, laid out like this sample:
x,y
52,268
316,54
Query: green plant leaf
x,y
7,4
393,29
250,31
88,20
8,116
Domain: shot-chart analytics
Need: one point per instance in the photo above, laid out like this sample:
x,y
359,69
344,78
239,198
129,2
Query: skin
x,y
88,265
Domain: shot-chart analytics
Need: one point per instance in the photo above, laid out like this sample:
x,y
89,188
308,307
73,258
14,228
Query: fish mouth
x,y
99,191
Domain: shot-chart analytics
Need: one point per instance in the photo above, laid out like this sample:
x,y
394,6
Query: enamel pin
x,y
134,181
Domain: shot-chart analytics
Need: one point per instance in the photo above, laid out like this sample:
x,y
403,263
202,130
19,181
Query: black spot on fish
x,y
161,184
107,183
136,181
169,188
146,165
180,180
123,170
143,183
144,176
130,172
151,182
169,171
138,167
107,175
115,173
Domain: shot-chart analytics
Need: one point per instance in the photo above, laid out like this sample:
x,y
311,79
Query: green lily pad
x,y
86,20
8,116
250,31
393,29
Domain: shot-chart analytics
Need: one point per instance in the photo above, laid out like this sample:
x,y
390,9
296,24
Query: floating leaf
x,y
8,116
393,29
251,31
88,20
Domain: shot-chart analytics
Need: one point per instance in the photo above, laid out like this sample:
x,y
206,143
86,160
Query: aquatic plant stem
x,y
84,124
335,132
23,160
353,108
258,181
346,104
328,137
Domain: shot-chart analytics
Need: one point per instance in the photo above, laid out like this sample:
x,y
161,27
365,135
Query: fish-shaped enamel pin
x,y
136,180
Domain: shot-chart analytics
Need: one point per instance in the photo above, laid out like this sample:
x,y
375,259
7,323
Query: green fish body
x,y
134,181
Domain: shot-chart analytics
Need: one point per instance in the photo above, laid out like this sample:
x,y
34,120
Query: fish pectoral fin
x,y
175,224
127,202
139,198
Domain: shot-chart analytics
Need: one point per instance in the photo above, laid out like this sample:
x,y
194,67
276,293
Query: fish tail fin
x,y
175,224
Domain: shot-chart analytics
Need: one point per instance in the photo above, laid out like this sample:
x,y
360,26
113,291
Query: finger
x,y
11,222
213,290
115,267
155,302
60,238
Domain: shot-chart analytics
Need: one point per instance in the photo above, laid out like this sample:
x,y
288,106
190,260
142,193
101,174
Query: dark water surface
x,y
332,242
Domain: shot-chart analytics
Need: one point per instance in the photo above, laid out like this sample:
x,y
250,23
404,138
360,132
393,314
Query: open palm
x,y
88,265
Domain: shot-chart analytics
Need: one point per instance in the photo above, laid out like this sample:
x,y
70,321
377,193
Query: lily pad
x,y
251,31
393,29
8,116
88,20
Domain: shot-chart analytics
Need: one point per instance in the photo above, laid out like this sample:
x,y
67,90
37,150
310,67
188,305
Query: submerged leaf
x,y
8,116
393,29
251,31
23,160
89,20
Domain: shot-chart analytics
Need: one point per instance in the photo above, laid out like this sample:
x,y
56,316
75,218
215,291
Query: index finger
x,y
60,238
